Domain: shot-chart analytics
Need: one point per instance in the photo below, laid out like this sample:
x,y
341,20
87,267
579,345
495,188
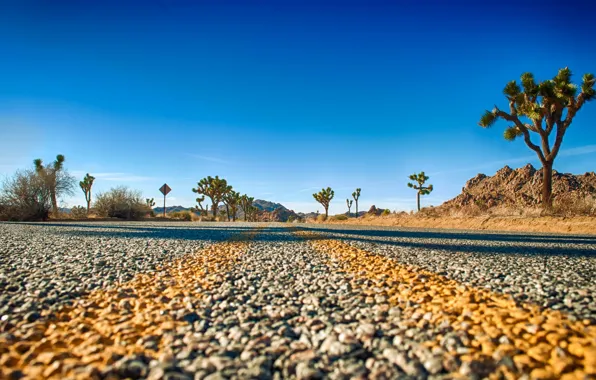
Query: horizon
x,y
281,100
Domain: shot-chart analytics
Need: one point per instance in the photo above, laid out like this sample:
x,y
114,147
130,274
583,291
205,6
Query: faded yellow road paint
x,y
108,324
544,343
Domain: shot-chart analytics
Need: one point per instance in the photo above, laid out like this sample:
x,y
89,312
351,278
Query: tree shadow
x,y
455,242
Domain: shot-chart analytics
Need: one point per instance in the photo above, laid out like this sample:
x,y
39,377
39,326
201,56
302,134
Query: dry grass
x,y
567,216
545,224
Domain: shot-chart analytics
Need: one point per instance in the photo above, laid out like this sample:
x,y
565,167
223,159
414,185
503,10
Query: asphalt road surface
x,y
259,301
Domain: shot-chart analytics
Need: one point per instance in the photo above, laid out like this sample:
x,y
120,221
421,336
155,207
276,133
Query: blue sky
x,y
281,98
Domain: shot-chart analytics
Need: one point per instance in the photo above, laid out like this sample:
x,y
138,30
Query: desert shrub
x,y
321,218
429,212
571,205
181,215
25,197
78,212
466,210
121,202
339,217
386,212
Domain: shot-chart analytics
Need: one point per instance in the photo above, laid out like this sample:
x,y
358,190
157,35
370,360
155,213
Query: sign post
x,y
165,189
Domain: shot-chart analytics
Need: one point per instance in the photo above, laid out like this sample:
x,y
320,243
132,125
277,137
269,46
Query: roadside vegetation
x,y
538,109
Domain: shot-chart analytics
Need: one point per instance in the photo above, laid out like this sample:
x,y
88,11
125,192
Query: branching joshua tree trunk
x,y
214,188
245,203
231,200
324,197
349,204
86,185
540,109
356,195
58,181
420,178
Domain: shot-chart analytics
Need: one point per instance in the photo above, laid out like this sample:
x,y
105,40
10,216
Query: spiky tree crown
x,y
533,104
87,183
324,196
421,179
349,203
356,194
231,197
213,187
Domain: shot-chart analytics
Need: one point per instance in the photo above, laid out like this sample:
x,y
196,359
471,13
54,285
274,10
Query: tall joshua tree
x,y
356,195
214,188
232,200
246,206
420,178
56,178
324,197
86,185
349,204
539,109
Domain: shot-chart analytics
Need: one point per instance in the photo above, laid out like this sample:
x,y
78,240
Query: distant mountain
x,y
159,210
268,211
266,205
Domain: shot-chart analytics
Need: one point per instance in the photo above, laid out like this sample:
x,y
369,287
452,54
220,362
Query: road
x,y
222,300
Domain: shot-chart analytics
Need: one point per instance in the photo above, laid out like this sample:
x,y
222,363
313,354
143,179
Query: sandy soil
x,y
545,224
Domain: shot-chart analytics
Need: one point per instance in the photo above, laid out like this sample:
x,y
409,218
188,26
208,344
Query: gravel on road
x,y
217,301
554,271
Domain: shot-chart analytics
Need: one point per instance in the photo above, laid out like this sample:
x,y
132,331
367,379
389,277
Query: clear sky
x,y
281,98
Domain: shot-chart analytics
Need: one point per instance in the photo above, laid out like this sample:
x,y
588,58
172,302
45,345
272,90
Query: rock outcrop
x,y
520,187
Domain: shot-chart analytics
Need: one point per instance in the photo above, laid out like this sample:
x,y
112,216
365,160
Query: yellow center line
x,y
128,319
545,343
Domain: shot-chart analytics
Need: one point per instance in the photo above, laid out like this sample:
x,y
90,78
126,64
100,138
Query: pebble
x,y
283,309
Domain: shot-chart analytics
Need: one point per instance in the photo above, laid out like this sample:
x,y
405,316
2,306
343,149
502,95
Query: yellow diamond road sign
x,y
165,189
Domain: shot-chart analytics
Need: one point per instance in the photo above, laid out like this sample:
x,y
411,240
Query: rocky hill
x,y
267,205
520,187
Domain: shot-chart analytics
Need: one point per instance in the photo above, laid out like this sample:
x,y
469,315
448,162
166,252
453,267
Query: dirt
x,y
541,224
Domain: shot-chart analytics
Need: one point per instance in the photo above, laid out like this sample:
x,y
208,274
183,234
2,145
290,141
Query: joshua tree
x,y
356,195
232,200
214,188
57,179
324,197
150,202
553,102
86,185
200,209
245,203
349,203
421,189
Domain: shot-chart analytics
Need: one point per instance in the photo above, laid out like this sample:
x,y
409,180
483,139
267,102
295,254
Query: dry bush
x,y
25,197
321,218
431,212
122,203
467,210
569,205
339,217
78,212
184,215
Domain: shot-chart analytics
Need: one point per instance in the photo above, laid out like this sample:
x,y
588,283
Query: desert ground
x,y
534,224
217,300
